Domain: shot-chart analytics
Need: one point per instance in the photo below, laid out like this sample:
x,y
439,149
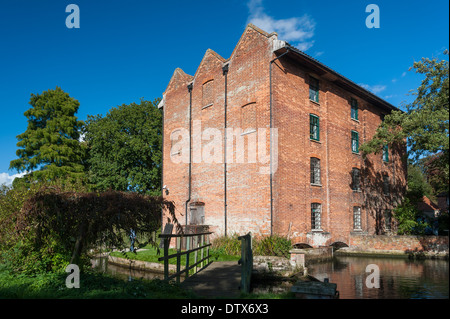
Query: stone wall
x,y
399,244
305,257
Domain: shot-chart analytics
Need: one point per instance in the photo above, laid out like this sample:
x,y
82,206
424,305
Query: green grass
x,y
92,286
150,254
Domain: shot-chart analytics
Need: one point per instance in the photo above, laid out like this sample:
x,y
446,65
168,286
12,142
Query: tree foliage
x,y
418,185
20,251
425,127
125,148
50,145
425,124
52,225
80,221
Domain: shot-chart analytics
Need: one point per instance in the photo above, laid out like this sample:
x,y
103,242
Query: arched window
x,y
357,218
356,179
315,171
316,216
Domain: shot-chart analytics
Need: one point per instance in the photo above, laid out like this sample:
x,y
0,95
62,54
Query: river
x,y
399,278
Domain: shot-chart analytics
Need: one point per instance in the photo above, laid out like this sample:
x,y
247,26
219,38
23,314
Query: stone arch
x,y
338,244
301,246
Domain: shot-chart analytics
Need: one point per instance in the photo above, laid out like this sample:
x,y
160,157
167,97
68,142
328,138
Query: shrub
x,y
263,246
48,226
272,246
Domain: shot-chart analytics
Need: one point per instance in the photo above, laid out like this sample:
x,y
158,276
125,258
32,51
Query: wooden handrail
x,y
183,235
200,246
182,253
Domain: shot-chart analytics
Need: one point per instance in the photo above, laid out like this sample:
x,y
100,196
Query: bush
x,y
272,246
408,219
47,226
20,251
229,245
262,246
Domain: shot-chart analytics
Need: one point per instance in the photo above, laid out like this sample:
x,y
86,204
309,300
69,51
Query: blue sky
x,y
127,50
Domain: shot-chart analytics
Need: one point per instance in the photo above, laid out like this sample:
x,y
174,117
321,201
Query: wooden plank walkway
x,y
219,279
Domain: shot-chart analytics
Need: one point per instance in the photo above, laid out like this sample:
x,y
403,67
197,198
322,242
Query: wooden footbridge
x,y
226,279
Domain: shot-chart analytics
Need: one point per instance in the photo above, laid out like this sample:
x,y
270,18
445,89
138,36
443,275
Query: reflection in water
x,y
399,278
101,264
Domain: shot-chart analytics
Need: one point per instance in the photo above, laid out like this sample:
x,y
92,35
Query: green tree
x,y
407,213
425,127
50,146
417,184
125,148
425,124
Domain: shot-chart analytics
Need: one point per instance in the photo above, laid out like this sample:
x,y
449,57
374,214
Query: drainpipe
x,y
271,138
189,87
162,166
225,73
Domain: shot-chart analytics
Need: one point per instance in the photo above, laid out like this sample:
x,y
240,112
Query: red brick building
x,y
267,141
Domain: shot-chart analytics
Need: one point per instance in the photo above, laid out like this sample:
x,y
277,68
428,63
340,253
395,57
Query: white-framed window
x,y
357,218
316,216
315,171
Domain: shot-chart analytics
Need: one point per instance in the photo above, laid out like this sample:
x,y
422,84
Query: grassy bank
x,y
150,254
92,286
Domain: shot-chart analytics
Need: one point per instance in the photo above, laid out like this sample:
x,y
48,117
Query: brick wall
x,y
248,190
399,243
293,208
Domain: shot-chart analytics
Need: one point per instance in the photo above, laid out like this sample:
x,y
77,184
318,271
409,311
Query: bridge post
x,y
246,262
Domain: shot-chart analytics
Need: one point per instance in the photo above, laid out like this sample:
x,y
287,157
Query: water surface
x,y
399,278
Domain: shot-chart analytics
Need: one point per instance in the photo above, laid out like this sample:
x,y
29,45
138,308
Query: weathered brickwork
x,y
248,206
400,243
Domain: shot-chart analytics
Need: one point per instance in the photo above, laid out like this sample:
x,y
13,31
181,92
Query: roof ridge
x,y
254,27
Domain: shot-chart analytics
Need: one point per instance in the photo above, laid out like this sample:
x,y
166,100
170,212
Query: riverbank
x,y
412,254
93,285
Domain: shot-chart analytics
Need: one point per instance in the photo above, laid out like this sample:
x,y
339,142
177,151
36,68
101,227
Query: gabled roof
x,y
333,76
427,205
248,27
208,52
303,59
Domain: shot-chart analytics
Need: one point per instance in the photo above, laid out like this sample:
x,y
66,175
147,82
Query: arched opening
x,y
197,213
301,246
338,244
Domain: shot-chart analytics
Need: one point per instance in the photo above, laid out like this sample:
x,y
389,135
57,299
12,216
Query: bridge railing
x,y
246,262
197,242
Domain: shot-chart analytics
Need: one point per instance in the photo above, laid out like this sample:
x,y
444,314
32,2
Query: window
x,y
356,179
316,210
387,220
248,116
386,190
314,127
354,109
207,93
386,153
355,142
315,171
175,145
314,89
357,218
197,214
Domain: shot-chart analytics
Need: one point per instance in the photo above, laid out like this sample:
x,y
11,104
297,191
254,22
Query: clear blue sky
x,y
126,50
